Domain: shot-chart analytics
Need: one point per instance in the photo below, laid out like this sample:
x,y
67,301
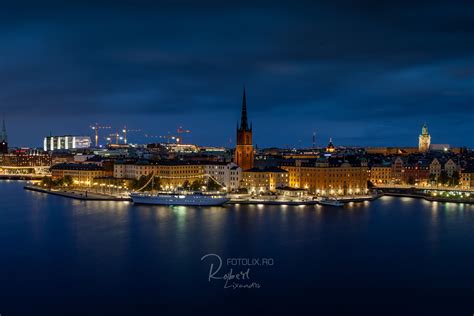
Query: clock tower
x,y
424,140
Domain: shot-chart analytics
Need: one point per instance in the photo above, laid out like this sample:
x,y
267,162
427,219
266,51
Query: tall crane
x,y
127,130
117,137
168,137
96,128
180,131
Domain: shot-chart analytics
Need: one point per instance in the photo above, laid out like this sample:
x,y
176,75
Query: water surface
x,y
392,256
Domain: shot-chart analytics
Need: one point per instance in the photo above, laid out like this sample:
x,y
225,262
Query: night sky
x,y
362,72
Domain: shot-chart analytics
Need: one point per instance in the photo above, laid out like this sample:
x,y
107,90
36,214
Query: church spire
x,y
4,135
424,130
243,120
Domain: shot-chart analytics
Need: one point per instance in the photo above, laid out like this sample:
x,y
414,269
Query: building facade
x,y
261,180
435,168
51,143
328,177
450,167
467,178
175,173
397,170
83,174
26,158
416,173
380,174
227,174
244,154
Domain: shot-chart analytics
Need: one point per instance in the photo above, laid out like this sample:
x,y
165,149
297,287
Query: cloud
x,y
337,61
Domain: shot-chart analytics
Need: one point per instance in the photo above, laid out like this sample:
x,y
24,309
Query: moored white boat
x,y
180,198
331,202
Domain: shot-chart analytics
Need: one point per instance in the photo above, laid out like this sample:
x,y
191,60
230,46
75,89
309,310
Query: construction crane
x,y
96,128
168,137
127,130
151,136
180,131
117,137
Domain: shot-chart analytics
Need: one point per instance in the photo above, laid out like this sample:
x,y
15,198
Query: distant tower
x,y
244,149
424,140
314,140
4,140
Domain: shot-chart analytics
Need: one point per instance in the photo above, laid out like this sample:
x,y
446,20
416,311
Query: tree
x,y
138,184
186,185
47,182
196,185
67,180
156,184
454,180
58,182
432,177
411,180
443,177
370,185
243,191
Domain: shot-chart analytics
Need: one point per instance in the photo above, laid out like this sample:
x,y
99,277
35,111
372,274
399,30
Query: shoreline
x,y
91,196
429,198
78,195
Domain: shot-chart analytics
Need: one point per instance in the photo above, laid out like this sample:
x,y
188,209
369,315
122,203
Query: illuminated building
x,y
424,140
80,173
417,172
269,179
450,167
67,142
328,176
26,158
330,148
4,139
467,177
392,150
380,174
174,173
440,147
397,170
435,168
227,174
244,154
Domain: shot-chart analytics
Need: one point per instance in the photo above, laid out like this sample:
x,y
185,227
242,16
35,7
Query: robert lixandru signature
x,y
240,278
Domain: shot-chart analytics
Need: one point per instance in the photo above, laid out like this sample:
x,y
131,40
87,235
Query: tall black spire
x,y
243,120
3,134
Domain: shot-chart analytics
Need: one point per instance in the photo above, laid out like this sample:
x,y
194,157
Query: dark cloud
x,y
348,69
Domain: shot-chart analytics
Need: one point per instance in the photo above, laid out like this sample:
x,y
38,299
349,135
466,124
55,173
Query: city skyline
x,y
146,137
369,74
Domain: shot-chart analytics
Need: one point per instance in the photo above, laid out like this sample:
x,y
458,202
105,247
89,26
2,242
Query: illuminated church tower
x,y
4,140
244,148
424,140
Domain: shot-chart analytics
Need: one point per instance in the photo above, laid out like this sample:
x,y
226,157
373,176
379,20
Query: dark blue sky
x,y
362,72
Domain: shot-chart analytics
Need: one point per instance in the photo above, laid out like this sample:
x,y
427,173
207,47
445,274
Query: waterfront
x,y
393,255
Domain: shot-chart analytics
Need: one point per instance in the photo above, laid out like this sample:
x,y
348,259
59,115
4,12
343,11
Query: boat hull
x,y
178,200
334,203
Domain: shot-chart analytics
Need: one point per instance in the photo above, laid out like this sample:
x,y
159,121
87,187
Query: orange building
x,y
80,173
328,176
244,154
268,179
380,174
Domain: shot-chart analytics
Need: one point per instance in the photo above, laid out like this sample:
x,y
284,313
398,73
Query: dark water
x,y
394,256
